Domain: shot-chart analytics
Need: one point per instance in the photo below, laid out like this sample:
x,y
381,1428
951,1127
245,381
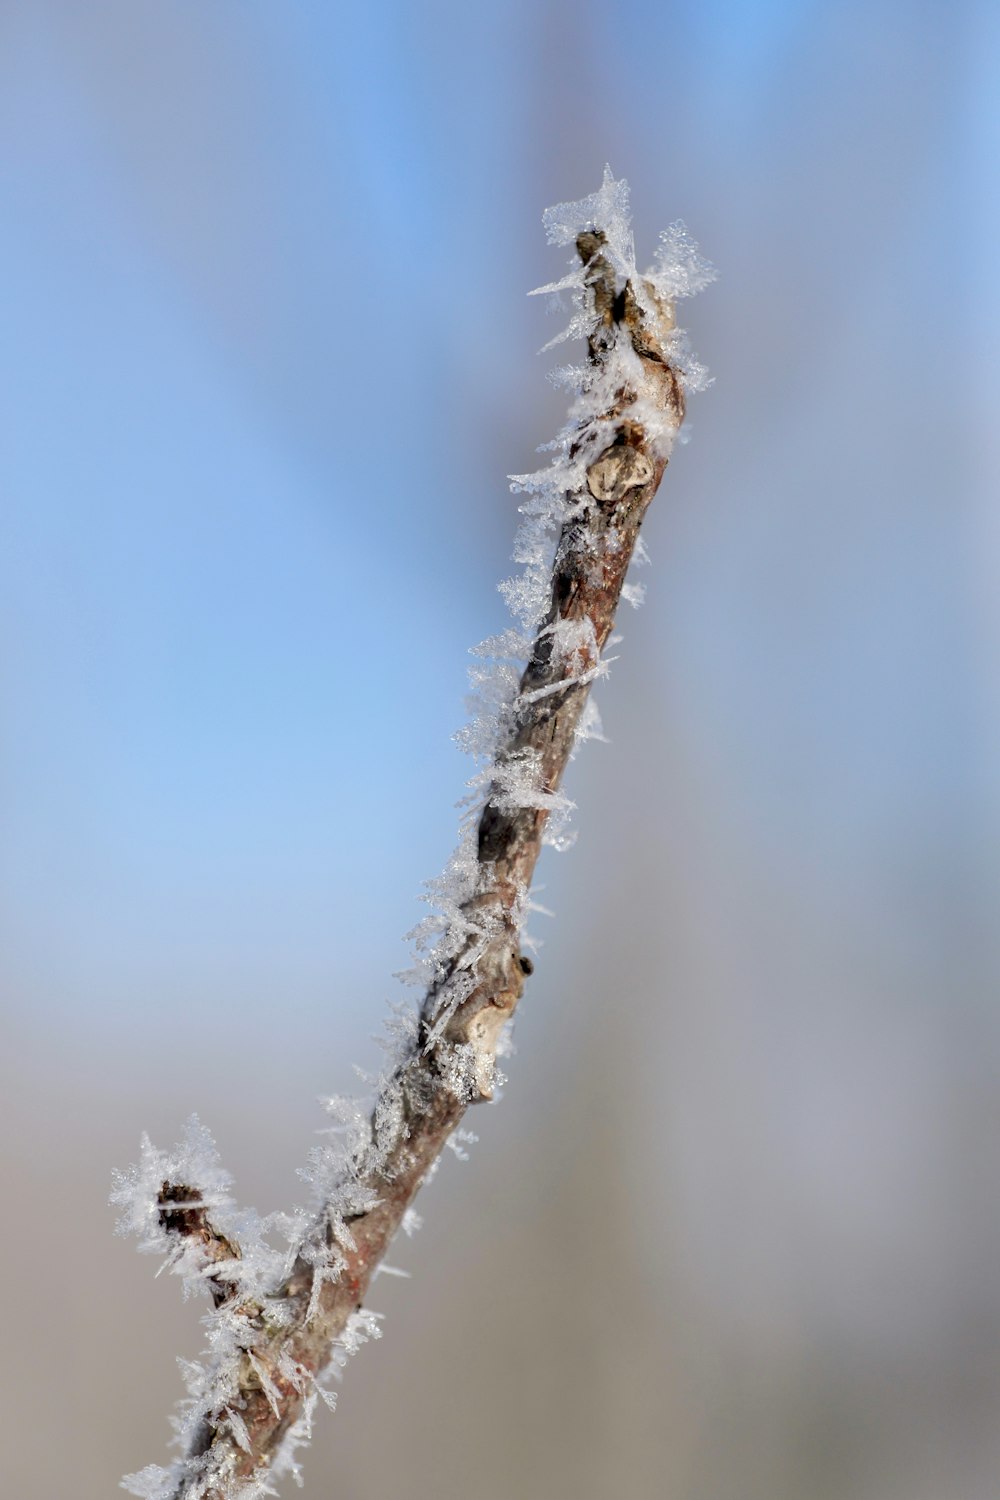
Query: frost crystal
x,y
679,270
151,1483
607,209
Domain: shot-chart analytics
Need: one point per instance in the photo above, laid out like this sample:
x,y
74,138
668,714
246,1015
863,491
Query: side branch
x,y
184,1219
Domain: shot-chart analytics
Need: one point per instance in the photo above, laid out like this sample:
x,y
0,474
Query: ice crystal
x,y
679,270
151,1483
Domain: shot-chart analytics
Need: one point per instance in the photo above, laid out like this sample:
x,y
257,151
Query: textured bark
x,y
591,561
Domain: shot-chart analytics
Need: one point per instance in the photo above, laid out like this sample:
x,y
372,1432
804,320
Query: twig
x,y
278,1325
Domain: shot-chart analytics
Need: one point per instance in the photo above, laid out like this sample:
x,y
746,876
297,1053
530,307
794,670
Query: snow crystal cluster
x,y
249,1311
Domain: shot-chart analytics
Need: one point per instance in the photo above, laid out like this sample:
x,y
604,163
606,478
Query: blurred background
x,y
733,1233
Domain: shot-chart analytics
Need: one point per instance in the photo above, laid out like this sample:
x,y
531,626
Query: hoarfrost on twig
x,y
286,1289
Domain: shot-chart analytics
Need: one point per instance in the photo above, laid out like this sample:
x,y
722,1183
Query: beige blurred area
x,y
733,1231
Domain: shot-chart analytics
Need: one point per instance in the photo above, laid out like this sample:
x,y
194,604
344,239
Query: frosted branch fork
x,y
282,1318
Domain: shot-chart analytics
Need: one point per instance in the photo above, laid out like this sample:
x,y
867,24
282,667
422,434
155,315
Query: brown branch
x,y
451,1062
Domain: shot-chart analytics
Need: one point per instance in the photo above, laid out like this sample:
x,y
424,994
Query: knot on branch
x,y
471,1038
619,469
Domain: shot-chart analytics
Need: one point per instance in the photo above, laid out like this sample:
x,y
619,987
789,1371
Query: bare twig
x,y
278,1341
